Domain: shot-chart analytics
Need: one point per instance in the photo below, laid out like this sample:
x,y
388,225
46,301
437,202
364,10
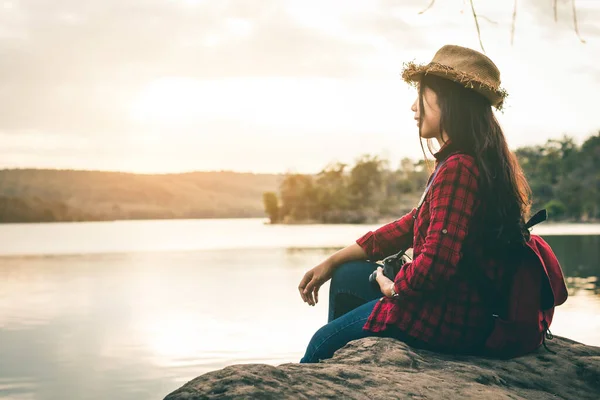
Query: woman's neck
x,y
442,139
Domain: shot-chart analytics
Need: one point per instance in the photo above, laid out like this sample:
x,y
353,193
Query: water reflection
x,y
30,293
134,325
579,256
138,325
583,286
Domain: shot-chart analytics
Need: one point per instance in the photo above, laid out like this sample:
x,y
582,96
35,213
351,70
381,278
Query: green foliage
x,y
297,196
367,192
366,182
271,206
564,177
555,208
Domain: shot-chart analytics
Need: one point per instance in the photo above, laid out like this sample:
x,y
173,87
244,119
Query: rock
x,y
381,368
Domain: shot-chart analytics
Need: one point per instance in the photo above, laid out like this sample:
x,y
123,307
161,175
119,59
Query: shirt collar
x,y
444,151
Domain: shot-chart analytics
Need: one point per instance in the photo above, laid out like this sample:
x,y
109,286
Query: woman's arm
x,y
454,200
385,241
389,239
349,253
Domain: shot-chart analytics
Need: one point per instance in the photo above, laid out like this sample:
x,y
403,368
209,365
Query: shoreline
x,y
267,222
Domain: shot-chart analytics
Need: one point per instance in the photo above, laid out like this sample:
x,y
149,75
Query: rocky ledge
x,y
375,368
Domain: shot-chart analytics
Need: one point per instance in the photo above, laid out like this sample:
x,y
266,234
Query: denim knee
x,y
336,334
350,271
332,337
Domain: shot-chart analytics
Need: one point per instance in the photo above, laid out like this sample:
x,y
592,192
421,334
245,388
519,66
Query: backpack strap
x,y
538,217
422,200
490,294
398,256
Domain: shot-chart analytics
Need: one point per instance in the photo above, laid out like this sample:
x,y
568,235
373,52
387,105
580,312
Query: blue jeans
x,y
351,301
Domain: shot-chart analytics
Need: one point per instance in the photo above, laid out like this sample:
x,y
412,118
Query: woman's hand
x,y
316,277
385,284
313,280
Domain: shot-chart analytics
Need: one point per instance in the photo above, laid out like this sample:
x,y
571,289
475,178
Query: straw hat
x,y
468,67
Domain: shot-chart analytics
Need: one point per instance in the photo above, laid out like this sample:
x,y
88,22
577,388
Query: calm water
x,y
132,310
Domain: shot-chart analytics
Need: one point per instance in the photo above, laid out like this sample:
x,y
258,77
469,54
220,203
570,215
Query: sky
x,y
158,86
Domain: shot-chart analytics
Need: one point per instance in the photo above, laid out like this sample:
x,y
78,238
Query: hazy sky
x,y
268,85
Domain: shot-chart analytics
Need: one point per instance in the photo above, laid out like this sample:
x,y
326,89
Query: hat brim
x,y
412,73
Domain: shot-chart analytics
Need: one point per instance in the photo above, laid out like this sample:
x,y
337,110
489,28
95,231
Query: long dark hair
x,y
468,120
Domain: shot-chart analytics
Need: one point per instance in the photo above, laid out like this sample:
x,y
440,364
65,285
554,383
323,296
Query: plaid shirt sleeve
x,y
389,239
452,200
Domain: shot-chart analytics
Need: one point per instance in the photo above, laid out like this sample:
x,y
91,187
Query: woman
x,y
476,203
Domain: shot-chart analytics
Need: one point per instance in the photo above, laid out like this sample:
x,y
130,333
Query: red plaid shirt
x,y
436,305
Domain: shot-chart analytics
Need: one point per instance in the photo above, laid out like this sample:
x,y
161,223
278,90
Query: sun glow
x,y
192,2
275,102
232,117
167,100
178,336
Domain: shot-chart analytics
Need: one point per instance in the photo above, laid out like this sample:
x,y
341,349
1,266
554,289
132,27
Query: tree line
x,y
42,195
564,178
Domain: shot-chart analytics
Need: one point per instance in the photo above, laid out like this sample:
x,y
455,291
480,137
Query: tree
x,y
366,182
271,206
587,175
564,177
331,191
298,197
555,208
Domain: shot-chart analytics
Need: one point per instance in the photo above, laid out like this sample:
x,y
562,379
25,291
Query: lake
x,y
134,309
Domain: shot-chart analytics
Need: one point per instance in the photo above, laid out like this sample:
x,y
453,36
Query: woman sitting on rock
x,y
477,199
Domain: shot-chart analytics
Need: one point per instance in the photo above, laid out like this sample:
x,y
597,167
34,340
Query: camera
x,y
391,267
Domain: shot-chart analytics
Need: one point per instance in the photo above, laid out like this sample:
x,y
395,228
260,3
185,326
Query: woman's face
x,y
430,126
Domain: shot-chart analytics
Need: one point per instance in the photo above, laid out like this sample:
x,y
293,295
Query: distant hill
x,y
28,195
564,177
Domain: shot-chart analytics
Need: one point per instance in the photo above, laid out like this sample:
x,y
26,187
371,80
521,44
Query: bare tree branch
x,y
477,25
514,19
487,19
428,7
575,21
514,23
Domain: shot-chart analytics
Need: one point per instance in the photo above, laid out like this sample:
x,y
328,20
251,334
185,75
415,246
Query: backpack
x,y
522,310
524,307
